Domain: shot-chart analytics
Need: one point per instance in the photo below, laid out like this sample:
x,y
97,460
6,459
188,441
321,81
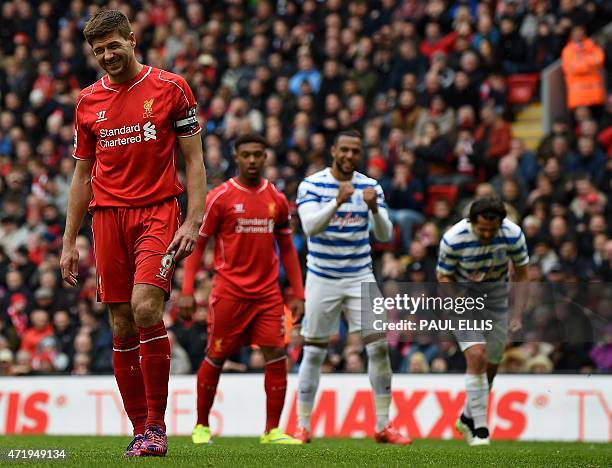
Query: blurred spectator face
x,y
82,362
588,128
466,118
487,115
510,190
583,186
6,362
598,225
417,250
282,85
507,26
462,81
317,142
544,185
586,146
14,280
274,135
568,251
82,343
552,168
544,29
432,31
418,364
432,83
439,365
61,321
332,104
578,33
441,209
558,227
305,62
486,49
407,50
354,363
599,244
469,62
407,100
531,226
485,25
39,319
507,166
256,360
431,130
409,82
582,113
43,297
559,147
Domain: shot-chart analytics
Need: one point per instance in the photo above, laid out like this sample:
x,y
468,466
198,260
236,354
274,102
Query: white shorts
x,y
324,300
495,341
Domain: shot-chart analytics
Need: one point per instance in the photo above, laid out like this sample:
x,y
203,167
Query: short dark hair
x,y
106,22
490,208
347,133
250,138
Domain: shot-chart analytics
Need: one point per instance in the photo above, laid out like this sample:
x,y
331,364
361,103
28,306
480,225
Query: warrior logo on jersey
x,y
148,107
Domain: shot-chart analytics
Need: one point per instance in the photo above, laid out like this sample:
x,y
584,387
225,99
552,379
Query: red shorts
x,y
234,322
130,247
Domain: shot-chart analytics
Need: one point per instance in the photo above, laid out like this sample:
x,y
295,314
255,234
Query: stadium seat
x,y
436,192
522,87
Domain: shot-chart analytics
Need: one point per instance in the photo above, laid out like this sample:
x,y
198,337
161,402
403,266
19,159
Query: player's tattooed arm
x,y
187,235
80,196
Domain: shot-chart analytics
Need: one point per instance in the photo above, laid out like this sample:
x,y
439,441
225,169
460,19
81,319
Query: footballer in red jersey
x,y
248,217
129,128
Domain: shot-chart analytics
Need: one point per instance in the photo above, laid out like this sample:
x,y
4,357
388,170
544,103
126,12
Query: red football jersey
x,y
130,129
244,221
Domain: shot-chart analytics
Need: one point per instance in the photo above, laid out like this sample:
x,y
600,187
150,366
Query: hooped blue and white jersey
x,y
463,256
343,248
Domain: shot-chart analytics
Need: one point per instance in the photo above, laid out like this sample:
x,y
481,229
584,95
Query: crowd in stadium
x,y
425,83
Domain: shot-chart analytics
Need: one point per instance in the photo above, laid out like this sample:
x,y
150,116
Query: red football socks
x,y
126,362
155,365
208,378
275,383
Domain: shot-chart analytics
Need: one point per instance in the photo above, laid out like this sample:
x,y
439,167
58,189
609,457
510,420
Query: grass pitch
x,y
247,452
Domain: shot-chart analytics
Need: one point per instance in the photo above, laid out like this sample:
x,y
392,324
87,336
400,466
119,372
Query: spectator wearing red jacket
x,y
493,137
435,42
40,328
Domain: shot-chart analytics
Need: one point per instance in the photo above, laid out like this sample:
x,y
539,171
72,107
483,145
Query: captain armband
x,y
187,124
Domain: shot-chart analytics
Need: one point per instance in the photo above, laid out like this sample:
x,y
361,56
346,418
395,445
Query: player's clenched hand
x,y
297,311
345,190
184,241
186,305
370,197
69,265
